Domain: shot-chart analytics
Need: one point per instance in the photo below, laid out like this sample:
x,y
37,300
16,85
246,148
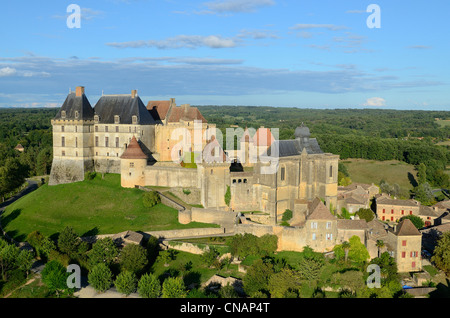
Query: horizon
x,y
309,54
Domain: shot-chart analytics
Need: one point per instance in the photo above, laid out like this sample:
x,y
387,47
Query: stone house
x,y
392,210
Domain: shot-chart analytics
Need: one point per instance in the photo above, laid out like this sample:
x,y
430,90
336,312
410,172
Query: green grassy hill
x,y
98,206
372,171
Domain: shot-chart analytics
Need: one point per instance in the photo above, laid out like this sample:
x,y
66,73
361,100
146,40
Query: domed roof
x,y
133,151
301,132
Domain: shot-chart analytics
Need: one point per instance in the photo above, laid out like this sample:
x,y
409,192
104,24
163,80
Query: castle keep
x,y
153,146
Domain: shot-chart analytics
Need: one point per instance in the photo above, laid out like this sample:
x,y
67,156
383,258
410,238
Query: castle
x,y
172,146
149,146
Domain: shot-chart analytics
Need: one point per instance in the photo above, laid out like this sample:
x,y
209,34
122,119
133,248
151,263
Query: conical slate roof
x,y
133,151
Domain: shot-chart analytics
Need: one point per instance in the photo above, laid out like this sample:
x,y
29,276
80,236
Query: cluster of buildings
x,y
166,145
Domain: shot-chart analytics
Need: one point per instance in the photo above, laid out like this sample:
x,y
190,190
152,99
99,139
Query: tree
x,y
380,244
44,161
310,268
68,241
54,276
209,256
12,176
227,197
25,261
41,244
441,254
283,282
8,258
346,247
257,277
100,277
358,252
103,251
126,282
149,286
133,258
421,173
416,220
365,214
424,194
173,287
151,198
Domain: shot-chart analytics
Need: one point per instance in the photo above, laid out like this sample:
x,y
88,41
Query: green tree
x,y
8,258
68,241
365,214
441,254
44,161
310,268
209,256
54,276
151,198
103,251
126,282
41,244
257,277
379,244
25,261
133,258
149,286
173,287
12,176
416,220
358,252
100,277
421,173
284,282
424,194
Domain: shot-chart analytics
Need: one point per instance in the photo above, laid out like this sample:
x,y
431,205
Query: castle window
x,y
76,153
131,164
63,114
117,142
96,119
76,141
134,120
76,114
211,171
117,128
245,180
76,128
404,243
106,142
129,129
314,236
329,236
96,141
314,225
283,172
116,119
106,128
331,171
234,180
63,153
328,225
63,141
62,128
96,128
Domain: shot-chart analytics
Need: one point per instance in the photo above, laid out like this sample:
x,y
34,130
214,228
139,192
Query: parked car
x,y
426,254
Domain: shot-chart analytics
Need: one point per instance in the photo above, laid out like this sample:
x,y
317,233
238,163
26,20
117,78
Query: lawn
x,y
372,171
98,206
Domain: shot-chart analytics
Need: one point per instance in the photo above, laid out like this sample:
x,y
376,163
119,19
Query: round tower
x,y
132,165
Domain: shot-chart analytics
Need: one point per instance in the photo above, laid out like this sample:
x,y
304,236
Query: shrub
x,y
90,175
133,258
149,286
126,282
100,277
151,199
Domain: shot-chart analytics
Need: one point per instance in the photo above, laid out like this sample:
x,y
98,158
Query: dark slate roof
x,y
75,103
125,106
295,147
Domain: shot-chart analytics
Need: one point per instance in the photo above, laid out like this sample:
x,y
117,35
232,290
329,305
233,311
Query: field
x,y
443,122
371,171
98,206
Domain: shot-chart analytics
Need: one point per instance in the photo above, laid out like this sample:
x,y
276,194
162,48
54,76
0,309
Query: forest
x,y
411,136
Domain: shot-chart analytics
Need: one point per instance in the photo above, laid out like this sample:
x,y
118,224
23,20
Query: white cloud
x,y
7,71
180,41
235,6
419,47
331,27
375,102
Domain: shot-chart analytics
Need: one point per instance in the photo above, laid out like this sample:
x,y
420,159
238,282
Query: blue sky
x,y
318,54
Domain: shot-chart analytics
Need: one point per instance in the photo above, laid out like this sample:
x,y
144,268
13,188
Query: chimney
x,y
186,108
79,91
133,93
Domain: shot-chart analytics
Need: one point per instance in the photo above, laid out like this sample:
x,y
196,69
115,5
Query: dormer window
x,y
116,119
63,114
96,119
76,114
134,120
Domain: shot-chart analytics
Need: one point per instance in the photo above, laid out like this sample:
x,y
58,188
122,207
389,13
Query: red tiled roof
x,y
185,112
161,107
133,151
